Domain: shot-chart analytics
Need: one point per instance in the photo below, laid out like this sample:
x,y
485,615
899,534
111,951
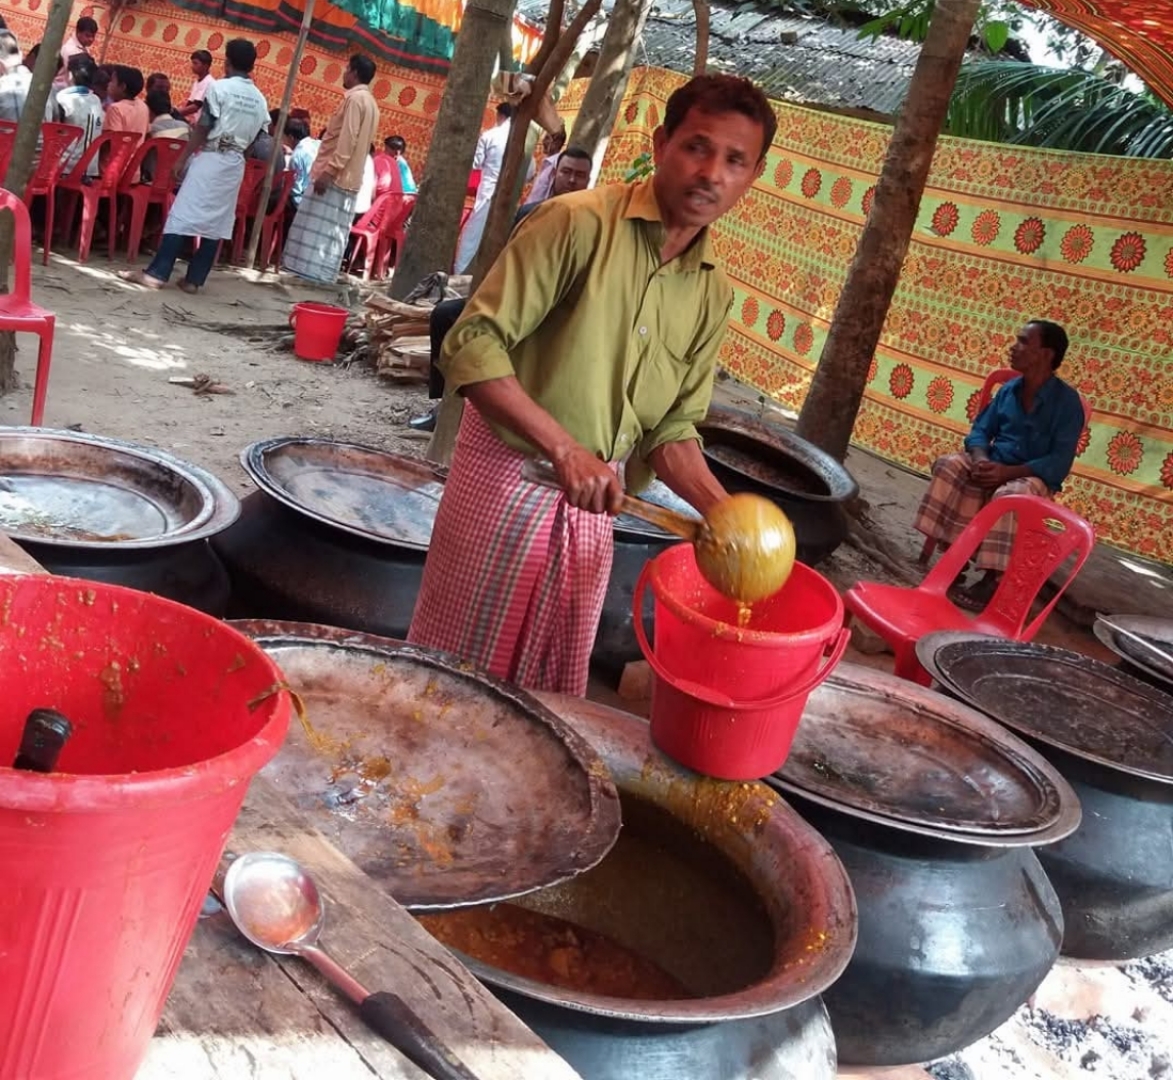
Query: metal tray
x,y
443,784
366,492
1060,698
890,751
72,489
1159,631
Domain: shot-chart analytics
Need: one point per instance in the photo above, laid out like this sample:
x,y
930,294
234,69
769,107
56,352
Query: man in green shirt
x,y
591,342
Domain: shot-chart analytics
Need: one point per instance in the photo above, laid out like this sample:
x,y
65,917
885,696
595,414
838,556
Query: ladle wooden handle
x,y
391,1017
542,472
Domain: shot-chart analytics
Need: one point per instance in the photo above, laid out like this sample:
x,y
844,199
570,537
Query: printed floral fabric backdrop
x,y
157,36
1004,235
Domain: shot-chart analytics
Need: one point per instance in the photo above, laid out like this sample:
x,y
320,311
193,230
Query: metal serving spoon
x,y
275,904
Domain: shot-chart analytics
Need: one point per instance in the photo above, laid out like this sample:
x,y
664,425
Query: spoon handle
x,y
542,472
390,1016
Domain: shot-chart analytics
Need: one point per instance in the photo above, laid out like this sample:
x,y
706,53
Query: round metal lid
x,y
446,786
366,492
1150,629
77,490
1061,698
890,751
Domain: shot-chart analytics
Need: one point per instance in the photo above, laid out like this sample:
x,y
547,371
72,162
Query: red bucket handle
x,y
837,645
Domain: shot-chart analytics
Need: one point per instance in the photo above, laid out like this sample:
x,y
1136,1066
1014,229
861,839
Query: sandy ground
x,y
116,348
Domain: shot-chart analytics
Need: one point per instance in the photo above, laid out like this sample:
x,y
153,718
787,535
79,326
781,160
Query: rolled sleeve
x,y
531,275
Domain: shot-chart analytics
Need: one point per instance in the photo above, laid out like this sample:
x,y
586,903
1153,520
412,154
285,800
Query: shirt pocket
x,y
660,373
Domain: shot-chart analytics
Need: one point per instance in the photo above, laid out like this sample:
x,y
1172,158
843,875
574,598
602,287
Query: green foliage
x,y
642,166
1029,105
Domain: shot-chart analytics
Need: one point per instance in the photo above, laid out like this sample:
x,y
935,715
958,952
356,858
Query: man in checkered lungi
x,y
317,238
1022,443
592,342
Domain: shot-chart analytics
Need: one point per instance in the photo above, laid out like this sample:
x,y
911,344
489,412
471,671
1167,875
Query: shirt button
x,y
643,330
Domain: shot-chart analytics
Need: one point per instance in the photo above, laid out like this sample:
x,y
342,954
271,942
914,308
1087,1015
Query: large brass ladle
x,y
744,546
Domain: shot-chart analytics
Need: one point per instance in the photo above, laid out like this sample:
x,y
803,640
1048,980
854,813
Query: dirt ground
x,y
117,346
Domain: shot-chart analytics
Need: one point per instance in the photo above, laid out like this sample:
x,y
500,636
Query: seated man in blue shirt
x,y
1022,443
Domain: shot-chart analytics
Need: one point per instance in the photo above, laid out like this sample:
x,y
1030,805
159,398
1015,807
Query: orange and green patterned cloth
x,y
1005,234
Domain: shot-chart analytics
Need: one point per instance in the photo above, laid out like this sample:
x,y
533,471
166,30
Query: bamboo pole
x,y
254,239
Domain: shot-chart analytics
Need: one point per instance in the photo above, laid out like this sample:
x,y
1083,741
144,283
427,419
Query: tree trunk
x,y
435,224
604,95
555,52
828,414
700,59
20,166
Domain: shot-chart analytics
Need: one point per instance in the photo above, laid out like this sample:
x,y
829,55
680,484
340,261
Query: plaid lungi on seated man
x,y
1022,443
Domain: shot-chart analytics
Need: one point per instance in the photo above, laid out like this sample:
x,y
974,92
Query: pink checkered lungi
x,y
515,576
952,501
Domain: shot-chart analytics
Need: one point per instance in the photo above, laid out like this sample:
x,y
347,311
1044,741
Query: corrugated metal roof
x,y
791,57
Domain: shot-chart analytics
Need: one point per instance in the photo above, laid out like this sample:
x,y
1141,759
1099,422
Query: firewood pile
x,y
389,335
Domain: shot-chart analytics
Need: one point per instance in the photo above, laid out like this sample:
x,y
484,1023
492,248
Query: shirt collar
x,y
643,206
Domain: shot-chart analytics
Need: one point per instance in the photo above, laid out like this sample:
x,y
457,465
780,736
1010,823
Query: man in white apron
x,y
490,153
234,114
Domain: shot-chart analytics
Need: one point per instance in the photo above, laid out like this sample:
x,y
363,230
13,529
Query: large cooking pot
x,y
1111,736
933,809
747,454
759,966
336,533
106,510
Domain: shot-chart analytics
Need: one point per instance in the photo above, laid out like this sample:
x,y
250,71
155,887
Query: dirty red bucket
x,y
317,329
105,863
727,699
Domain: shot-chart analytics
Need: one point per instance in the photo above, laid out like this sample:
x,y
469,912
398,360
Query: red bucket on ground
x,y
727,698
317,329
104,864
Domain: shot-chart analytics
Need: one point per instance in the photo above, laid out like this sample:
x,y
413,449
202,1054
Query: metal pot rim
x,y
796,975
841,484
220,506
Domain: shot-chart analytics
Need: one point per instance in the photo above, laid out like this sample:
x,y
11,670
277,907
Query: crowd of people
x,y
334,177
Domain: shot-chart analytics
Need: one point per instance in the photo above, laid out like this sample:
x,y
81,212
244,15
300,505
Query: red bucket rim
x,y
319,308
744,636
106,792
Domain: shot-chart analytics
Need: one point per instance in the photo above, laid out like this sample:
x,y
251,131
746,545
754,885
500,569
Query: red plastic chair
x,y
56,139
273,227
17,312
366,232
393,234
118,148
7,142
246,198
142,194
1045,535
996,379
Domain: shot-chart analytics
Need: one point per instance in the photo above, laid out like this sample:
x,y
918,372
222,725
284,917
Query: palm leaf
x,y
1066,109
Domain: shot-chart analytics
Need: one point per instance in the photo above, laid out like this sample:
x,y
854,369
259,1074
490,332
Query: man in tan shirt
x,y
317,237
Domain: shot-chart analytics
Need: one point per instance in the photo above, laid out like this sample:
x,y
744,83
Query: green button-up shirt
x,y
619,348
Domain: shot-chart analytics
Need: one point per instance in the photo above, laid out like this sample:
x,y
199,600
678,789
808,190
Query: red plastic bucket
x,y
317,329
727,699
105,864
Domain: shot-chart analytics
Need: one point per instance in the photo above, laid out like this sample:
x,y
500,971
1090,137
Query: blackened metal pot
x,y
809,485
952,939
284,565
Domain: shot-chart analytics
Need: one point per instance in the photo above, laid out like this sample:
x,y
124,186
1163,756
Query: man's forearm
x,y
504,401
682,466
195,143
